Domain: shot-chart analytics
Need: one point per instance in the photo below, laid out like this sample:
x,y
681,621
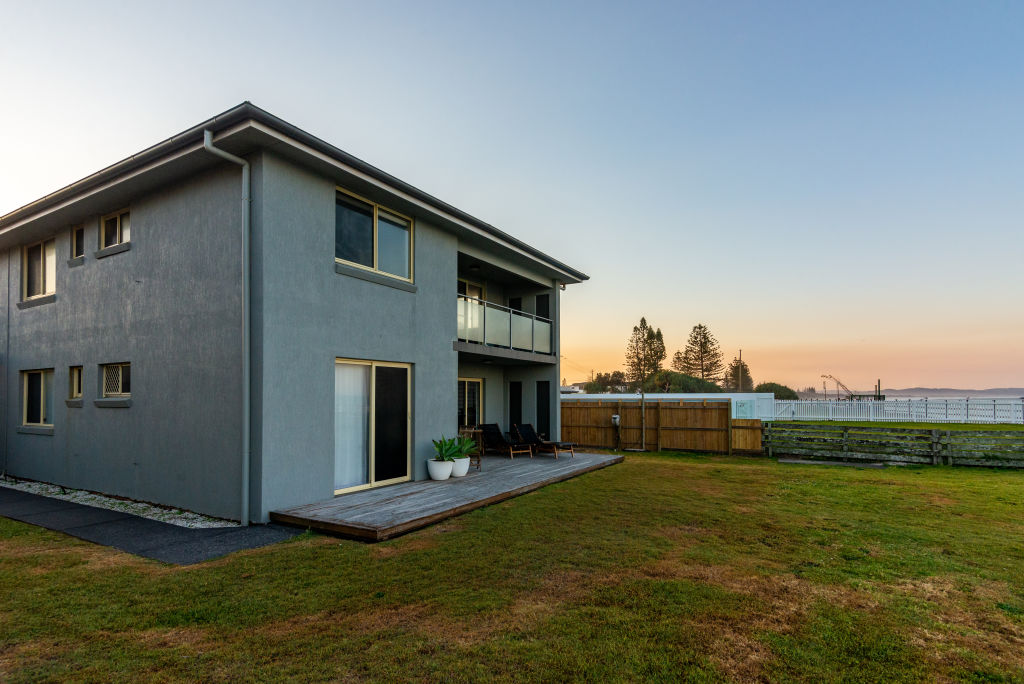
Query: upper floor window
x,y
37,397
75,382
77,242
115,228
117,380
372,237
39,269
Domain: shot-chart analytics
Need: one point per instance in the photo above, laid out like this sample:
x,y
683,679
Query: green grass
x,y
987,427
666,567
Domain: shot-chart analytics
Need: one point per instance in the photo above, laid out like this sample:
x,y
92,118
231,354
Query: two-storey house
x,y
244,318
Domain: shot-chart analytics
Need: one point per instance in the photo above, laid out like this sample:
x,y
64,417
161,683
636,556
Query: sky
x,y
834,188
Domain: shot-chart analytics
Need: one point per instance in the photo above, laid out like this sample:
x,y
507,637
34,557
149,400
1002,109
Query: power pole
x,y
739,384
643,399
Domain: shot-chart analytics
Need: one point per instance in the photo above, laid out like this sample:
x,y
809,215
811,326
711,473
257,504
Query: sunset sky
x,y
832,187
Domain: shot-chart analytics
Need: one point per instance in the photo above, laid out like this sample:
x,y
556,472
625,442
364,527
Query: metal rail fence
x,y
905,410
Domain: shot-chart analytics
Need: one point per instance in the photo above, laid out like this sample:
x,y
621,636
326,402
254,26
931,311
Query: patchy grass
x,y
667,567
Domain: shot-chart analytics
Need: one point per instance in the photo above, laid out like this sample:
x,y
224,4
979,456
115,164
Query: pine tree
x,y
702,357
644,352
737,377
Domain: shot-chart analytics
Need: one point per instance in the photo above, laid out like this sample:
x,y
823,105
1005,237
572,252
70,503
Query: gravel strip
x,y
173,516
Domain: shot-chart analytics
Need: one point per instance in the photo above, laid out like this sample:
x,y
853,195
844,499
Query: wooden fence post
x,y
659,426
728,422
936,447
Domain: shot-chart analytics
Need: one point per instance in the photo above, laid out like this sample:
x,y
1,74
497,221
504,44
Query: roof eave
x,y
249,111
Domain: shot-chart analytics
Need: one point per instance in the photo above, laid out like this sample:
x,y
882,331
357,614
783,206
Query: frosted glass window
x,y
351,425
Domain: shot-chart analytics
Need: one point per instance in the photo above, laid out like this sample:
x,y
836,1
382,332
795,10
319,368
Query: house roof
x,y
239,130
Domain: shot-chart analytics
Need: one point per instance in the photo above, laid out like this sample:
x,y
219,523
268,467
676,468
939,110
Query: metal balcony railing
x,y
499,326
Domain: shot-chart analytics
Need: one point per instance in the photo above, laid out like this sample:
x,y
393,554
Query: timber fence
x,y
994,448
704,426
904,410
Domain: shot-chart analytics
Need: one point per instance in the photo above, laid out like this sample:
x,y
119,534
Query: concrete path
x,y
141,536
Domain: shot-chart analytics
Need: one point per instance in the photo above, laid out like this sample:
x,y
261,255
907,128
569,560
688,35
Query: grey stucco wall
x,y
171,306
309,315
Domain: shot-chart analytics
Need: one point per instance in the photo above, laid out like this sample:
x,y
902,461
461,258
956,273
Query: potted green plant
x,y
445,450
465,447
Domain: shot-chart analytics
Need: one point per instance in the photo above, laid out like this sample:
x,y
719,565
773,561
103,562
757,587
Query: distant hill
x,y
1015,392
993,393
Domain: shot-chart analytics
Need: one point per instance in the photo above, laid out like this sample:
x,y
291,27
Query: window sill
x,y
35,430
113,249
37,301
372,277
73,403
112,403
77,261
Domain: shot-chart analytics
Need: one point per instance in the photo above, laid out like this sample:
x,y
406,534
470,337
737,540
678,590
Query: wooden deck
x,y
385,512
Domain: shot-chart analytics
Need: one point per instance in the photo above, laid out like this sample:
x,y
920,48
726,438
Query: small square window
x,y
39,269
117,380
37,397
77,242
115,228
75,382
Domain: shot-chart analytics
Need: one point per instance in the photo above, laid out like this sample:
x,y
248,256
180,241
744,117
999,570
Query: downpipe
x,y
246,354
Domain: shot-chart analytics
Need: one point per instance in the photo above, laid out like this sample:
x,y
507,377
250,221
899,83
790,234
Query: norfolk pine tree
x,y
702,357
737,377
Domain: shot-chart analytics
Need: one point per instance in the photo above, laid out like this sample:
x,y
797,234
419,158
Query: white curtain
x,y
351,424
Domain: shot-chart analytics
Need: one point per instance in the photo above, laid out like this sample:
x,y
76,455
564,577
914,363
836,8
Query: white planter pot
x,y
439,470
460,467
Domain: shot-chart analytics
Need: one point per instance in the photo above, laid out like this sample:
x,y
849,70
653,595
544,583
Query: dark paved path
x,y
141,536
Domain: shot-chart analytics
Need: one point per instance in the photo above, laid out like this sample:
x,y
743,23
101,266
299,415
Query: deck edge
x,y
375,534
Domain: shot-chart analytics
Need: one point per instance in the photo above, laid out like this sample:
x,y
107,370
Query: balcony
x,y
492,325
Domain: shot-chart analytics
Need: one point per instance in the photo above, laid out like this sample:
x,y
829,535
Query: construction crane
x,y
839,383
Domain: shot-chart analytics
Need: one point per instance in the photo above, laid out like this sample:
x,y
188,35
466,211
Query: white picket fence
x,y
905,410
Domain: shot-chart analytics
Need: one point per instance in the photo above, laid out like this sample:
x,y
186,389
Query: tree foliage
x,y
737,377
607,382
644,352
702,356
779,390
671,381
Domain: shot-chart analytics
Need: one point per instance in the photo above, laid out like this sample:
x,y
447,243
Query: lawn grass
x,y
666,567
977,427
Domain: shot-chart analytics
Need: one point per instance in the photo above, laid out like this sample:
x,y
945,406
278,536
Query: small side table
x,y
478,437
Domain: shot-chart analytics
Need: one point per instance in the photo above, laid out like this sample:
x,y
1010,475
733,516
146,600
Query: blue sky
x,y
834,188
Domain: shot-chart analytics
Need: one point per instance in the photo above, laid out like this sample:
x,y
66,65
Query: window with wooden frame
x,y
38,269
75,382
77,241
37,397
369,236
468,288
471,402
115,228
117,379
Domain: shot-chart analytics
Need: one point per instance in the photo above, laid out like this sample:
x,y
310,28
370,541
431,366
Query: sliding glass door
x,y
371,423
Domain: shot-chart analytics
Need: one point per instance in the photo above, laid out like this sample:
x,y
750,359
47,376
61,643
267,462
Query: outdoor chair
x,y
495,441
527,435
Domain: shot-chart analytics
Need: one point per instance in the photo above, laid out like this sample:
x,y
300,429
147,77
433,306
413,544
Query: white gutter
x,y
246,380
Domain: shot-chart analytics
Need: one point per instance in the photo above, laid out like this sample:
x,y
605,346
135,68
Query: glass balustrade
x,y
498,326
